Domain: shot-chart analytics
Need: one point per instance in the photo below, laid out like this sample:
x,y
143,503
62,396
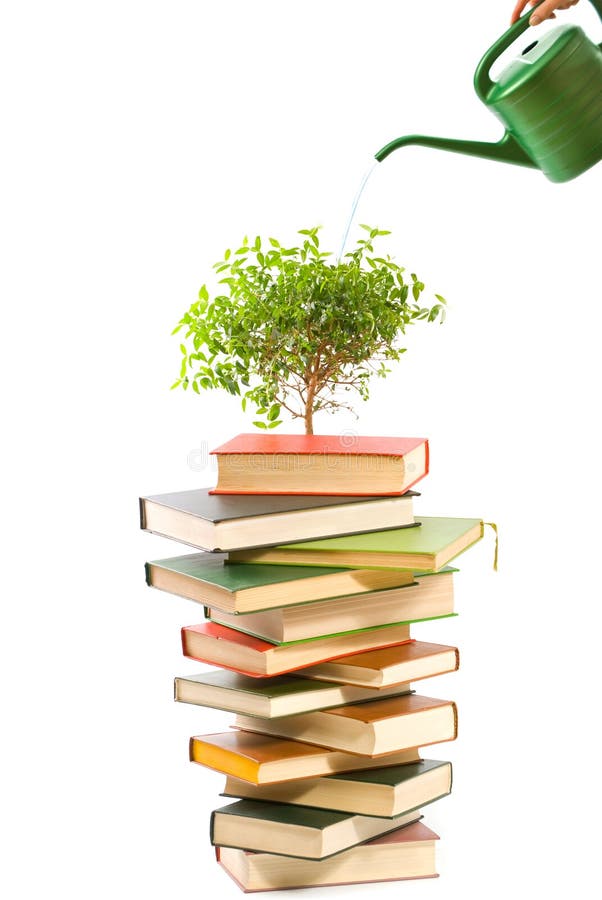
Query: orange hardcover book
x,y
389,665
371,728
232,649
343,465
264,759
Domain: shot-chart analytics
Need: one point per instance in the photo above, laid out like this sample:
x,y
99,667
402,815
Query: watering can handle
x,y
482,81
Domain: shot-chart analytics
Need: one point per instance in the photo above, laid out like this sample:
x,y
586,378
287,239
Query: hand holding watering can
x,y
545,11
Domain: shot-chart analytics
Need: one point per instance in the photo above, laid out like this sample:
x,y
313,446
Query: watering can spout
x,y
505,150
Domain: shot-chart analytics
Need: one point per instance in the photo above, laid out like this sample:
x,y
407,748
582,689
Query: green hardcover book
x,y
238,588
430,596
431,546
299,831
239,623
283,695
388,791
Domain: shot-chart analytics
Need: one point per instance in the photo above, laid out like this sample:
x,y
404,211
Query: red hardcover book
x,y
405,853
231,649
345,465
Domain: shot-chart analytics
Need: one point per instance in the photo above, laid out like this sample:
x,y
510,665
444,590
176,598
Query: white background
x,y
139,141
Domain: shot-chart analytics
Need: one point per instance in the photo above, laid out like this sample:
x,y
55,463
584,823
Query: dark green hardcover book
x,y
227,522
298,831
388,791
282,695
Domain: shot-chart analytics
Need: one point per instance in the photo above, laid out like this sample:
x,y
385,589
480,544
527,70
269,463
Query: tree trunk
x,y
309,406
309,421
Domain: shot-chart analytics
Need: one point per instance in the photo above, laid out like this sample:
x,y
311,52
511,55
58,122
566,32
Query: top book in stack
x,y
345,465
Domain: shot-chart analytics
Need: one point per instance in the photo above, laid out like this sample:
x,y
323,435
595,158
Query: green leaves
x,y
295,331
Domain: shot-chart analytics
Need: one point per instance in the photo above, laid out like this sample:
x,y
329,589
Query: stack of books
x,y
312,569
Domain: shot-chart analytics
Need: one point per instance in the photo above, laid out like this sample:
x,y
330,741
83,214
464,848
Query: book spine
x,y
142,513
455,710
212,828
147,574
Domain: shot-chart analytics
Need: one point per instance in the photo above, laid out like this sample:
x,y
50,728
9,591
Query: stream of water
x,y
354,206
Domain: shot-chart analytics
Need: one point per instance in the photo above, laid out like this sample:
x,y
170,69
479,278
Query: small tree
x,y
294,332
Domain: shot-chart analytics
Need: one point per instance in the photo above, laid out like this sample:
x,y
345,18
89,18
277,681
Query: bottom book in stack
x,y
407,852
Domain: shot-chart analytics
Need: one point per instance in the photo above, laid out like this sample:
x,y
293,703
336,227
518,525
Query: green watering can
x,y
549,99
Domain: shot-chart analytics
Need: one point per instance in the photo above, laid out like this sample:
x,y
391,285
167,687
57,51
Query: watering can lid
x,y
549,52
482,80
